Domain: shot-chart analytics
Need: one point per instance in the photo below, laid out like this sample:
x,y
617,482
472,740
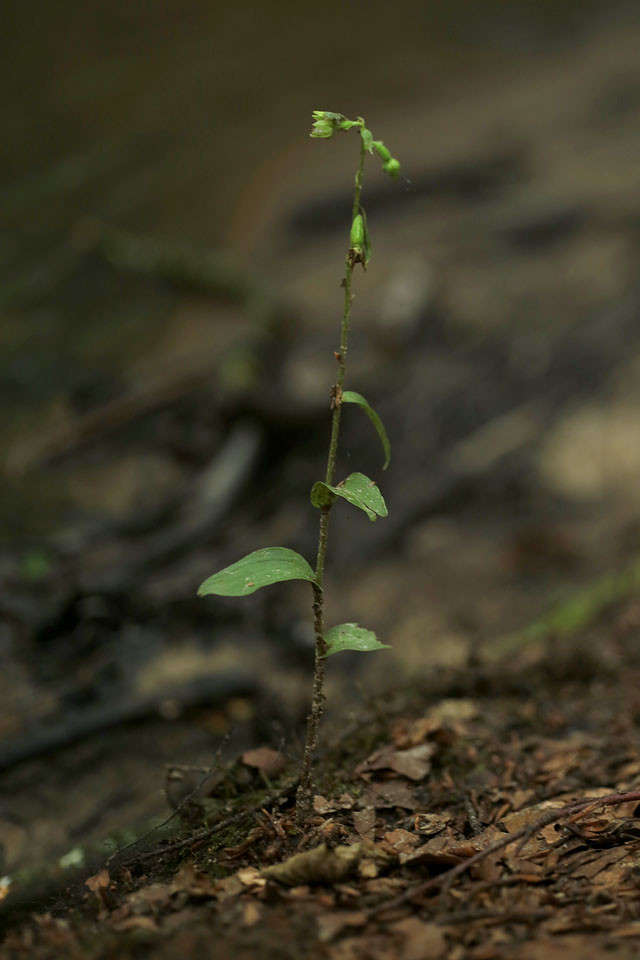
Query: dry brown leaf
x,y
453,715
322,806
440,851
99,885
149,899
364,821
430,824
251,877
136,923
414,763
330,924
251,914
390,793
399,841
228,887
99,881
269,762
192,882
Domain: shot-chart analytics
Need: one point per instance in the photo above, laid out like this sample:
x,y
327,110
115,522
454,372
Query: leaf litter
x,y
482,824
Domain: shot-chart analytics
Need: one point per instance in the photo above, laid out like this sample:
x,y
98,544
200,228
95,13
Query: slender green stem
x,y
304,797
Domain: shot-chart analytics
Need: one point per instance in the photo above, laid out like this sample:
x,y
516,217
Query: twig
x,y
206,832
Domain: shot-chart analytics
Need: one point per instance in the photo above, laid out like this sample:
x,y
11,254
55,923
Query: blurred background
x,y
171,246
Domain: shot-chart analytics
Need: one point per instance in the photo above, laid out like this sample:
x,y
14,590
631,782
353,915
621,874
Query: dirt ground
x,y
494,814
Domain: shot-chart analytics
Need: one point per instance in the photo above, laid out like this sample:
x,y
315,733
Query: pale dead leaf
x,y
136,923
269,762
330,924
368,869
251,914
251,877
323,864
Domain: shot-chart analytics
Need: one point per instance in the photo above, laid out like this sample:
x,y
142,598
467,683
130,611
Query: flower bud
x,y
382,151
322,128
357,233
392,167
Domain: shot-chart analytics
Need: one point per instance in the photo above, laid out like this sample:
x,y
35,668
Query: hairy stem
x,y
304,796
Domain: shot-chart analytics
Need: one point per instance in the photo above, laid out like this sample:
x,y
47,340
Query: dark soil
x,y
404,802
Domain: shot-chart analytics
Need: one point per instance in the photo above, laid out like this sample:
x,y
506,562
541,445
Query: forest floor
x,y
491,814
165,410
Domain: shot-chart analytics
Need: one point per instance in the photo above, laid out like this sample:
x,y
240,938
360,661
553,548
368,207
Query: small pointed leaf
x,y
357,489
367,139
258,569
350,636
350,396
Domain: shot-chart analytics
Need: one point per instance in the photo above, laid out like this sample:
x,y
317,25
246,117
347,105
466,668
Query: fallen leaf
x,y
192,882
399,841
391,793
364,821
99,881
250,877
251,914
228,887
330,924
414,763
452,714
320,865
136,923
323,806
368,869
269,762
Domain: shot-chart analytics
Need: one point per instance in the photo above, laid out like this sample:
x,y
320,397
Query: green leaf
x,y
367,139
357,489
349,636
258,569
322,495
349,396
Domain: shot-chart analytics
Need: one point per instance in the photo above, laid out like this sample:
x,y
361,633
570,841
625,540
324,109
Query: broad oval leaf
x,y
350,636
358,489
350,396
258,569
